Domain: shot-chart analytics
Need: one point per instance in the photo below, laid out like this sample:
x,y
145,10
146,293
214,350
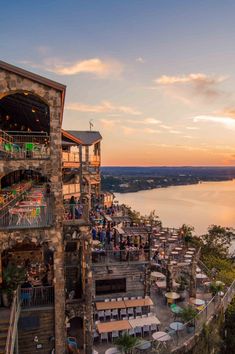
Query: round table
x,y
188,256
176,326
178,248
174,252
157,275
143,345
172,295
197,302
190,252
161,336
201,276
112,351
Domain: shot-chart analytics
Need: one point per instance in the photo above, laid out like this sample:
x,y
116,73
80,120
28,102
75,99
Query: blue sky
x,y
156,77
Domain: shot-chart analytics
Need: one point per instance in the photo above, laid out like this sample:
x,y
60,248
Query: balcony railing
x,y
75,213
27,216
71,189
37,297
24,145
70,158
105,257
14,316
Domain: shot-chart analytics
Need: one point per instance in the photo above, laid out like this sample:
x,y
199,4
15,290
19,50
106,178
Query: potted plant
x,y
126,343
187,315
12,277
182,287
216,287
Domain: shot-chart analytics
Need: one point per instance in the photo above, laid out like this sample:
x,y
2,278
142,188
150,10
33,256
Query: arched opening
x,y
75,334
25,200
24,126
28,265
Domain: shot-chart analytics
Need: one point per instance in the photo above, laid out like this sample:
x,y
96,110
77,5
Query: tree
x,y
217,241
186,231
126,343
229,328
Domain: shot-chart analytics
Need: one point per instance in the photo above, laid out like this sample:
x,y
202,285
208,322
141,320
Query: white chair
x,y
138,310
115,314
106,300
101,315
138,317
126,298
130,311
138,331
133,298
146,329
104,336
139,297
96,322
119,299
150,314
144,316
131,332
125,318
95,335
114,335
112,300
123,313
107,314
153,327
131,317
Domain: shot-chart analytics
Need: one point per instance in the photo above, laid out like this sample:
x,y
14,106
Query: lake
x,y
199,205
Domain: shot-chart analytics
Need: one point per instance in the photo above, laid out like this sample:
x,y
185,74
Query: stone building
x,y
32,170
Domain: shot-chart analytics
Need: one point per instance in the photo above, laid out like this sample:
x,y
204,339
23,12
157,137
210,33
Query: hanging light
x,y
33,110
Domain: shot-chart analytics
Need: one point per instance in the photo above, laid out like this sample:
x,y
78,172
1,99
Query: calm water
x,y
198,205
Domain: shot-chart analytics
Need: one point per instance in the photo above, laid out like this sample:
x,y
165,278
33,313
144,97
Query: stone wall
x,y
11,83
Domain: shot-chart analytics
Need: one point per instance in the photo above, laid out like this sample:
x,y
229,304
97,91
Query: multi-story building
x,y
44,239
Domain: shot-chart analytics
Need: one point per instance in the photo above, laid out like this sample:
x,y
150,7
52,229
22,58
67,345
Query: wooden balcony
x,y
71,189
70,159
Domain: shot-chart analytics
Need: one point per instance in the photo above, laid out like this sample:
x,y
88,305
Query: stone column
x,y
87,289
59,284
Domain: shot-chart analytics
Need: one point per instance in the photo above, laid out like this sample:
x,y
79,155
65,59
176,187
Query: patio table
x,y
107,327
176,326
110,305
143,345
158,275
201,276
178,248
197,302
143,321
188,256
172,295
138,302
112,351
161,336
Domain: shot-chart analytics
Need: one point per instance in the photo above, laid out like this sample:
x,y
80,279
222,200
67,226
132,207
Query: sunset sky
x,y
156,77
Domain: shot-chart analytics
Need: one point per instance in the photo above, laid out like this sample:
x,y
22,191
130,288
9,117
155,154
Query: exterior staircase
x,y
4,325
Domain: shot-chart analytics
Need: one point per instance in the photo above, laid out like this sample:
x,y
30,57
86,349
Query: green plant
x,y
12,277
183,283
216,287
126,343
188,313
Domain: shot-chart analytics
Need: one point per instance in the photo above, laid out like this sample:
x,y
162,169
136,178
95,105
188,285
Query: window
x,y
110,286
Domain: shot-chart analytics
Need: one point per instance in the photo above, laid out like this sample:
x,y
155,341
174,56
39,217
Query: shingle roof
x,y
87,137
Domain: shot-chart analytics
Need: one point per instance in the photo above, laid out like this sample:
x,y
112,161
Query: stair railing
x,y
14,316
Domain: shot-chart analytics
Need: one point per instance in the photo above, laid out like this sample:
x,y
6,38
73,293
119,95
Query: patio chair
x,y
107,314
112,300
126,298
153,327
138,310
131,332
95,335
146,329
114,335
101,315
139,297
130,311
119,299
104,336
123,313
115,314
133,297
138,331
106,300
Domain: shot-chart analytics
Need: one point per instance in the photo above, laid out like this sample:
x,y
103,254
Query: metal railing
x,y
14,316
37,296
24,145
25,216
106,257
75,212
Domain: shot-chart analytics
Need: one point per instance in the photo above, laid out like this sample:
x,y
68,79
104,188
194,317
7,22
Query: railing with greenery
x,y
14,316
